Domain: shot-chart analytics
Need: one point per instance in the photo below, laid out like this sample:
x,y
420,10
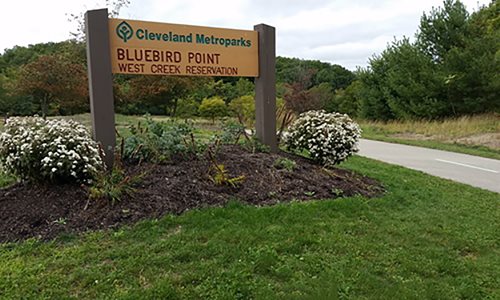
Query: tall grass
x,y
440,129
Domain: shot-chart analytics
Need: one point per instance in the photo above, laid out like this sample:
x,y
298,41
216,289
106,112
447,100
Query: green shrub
x,y
159,141
49,150
231,132
187,108
285,163
113,186
244,109
212,108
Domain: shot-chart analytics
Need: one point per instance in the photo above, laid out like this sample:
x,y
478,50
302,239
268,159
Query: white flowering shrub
x,y
330,138
49,150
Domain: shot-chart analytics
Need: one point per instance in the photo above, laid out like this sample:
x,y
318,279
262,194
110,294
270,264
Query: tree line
x,y
51,79
451,68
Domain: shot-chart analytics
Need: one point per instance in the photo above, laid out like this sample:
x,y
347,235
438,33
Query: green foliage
x,y
244,109
451,69
231,132
114,185
292,70
158,141
415,86
187,108
213,108
218,173
253,145
321,95
285,163
18,56
55,82
220,176
346,101
156,95
443,29
6,178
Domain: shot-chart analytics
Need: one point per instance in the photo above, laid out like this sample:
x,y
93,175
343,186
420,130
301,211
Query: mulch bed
x,y
44,212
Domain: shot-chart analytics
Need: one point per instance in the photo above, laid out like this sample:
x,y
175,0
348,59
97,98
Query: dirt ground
x,y
44,212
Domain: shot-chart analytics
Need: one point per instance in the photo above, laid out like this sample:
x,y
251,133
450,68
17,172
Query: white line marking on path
x,y
464,165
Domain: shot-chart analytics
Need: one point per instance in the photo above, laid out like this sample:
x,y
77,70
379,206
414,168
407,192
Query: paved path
x,y
472,170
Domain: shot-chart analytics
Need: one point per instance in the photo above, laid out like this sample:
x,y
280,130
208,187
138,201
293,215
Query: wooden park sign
x,y
168,49
138,47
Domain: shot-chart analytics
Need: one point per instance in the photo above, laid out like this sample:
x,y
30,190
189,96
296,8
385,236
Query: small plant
x,y
272,194
159,141
337,192
254,145
285,163
231,132
330,138
60,221
114,185
49,150
309,193
221,176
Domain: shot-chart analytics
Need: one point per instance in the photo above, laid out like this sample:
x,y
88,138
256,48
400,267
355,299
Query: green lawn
x,y
427,238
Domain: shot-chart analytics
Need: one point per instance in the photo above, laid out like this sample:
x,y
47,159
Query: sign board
x,y
139,47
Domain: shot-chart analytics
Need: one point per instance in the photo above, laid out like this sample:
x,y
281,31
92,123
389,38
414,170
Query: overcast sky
x,y
344,32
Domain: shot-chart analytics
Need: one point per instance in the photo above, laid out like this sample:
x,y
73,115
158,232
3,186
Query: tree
x,y
346,100
187,108
18,56
212,108
443,29
320,95
244,109
464,48
451,70
244,87
156,94
414,84
373,104
54,79
336,76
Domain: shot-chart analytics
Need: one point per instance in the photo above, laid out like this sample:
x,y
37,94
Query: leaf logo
x,y
124,31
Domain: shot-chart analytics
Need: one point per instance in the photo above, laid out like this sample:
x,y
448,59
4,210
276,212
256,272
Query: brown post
x,y
100,82
265,87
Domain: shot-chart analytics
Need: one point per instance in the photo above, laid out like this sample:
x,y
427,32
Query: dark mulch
x,y
47,211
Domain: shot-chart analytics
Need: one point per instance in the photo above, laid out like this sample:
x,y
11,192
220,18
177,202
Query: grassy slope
x,y
426,238
443,135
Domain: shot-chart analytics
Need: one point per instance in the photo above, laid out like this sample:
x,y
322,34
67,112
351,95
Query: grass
x,y
426,238
6,179
461,135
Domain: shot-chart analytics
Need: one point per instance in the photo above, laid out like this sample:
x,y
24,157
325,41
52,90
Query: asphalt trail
x,y
476,171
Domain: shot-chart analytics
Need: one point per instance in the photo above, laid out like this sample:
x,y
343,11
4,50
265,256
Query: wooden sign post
x,y
138,47
100,82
